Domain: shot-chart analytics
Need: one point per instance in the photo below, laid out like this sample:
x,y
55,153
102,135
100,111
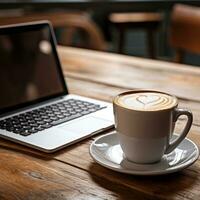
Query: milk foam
x,y
147,101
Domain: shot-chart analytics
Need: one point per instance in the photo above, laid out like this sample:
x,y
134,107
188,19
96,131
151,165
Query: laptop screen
x,y
29,67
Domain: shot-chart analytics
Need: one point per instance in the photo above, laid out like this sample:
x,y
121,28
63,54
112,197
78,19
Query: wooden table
x,y
27,174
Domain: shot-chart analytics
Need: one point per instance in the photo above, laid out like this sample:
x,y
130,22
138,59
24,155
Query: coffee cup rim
x,y
145,90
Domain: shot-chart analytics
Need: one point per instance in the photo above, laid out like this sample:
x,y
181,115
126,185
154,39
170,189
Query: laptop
x,y
36,108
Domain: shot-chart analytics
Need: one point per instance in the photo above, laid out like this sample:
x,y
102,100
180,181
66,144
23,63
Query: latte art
x,y
147,101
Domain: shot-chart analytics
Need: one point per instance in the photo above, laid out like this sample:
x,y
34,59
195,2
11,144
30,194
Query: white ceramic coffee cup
x,y
145,135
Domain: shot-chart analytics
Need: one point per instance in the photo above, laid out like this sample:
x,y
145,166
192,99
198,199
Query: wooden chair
x,y
70,22
146,21
185,30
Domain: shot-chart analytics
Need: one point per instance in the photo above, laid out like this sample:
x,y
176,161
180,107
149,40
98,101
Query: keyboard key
x,y
35,130
39,123
47,120
17,131
48,116
47,125
54,118
25,133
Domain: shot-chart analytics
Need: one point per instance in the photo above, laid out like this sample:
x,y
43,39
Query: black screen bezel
x,y
32,26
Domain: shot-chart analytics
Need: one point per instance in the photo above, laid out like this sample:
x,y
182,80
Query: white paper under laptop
x,y
35,107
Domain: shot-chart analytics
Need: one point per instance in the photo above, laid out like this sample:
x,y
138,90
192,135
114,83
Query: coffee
x,y
146,101
145,121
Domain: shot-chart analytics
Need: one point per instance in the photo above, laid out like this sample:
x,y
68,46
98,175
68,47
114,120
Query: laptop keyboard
x,y
48,116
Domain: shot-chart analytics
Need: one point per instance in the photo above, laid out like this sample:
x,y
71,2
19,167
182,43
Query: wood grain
x,y
78,156
28,177
131,72
48,170
70,173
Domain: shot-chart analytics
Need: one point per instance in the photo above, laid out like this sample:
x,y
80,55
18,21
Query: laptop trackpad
x,y
87,125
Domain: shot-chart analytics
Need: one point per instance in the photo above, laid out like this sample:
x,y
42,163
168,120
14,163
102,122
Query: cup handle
x,y
177,113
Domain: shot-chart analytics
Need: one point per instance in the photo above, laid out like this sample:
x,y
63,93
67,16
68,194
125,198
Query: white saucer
x,y
106,151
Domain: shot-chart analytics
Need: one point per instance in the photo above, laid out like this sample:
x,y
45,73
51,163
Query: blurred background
x,y
158,29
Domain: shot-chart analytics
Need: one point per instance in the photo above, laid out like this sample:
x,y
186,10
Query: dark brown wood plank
x,y
131,72
71,173
78,156
26,177
77,175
